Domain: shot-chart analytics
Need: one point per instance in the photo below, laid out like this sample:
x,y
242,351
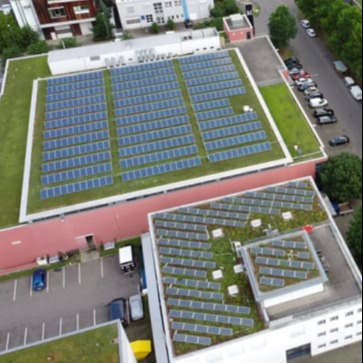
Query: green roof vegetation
x,y
291,122
94,346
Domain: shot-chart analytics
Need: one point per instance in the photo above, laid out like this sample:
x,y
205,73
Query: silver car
x,y
136,307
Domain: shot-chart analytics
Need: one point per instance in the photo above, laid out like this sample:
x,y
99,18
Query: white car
x,y
349,81
318,103
136,308
301,81
305,23
311,32
311,90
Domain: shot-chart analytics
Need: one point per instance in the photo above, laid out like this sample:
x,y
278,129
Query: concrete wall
x,y
22,245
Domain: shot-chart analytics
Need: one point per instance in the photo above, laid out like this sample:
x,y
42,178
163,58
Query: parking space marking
x,y
15,289
79,274
31,286
7,341
48,280
43,331
60,326
102,269
25,335
64,277
77,327
94,317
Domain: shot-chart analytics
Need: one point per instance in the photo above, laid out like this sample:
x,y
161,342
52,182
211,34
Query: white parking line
x,y
25,335
94,317
31,286
7,341
77,328
43,331
15,288
60,326
48,281
64,277
102,269
79,274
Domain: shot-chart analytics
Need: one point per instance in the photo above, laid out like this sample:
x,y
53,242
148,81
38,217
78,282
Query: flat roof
x,y
197,255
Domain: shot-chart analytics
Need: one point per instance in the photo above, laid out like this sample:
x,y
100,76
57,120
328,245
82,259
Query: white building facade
x,y
136,14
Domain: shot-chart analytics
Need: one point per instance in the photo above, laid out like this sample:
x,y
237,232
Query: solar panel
x,y
245,208
303,255
204,329
184,244
119,92
74,78
282,190
213,114
69,112
209,71
213,213
142,67
194,293
84,92
183,235
282,197
140,83
289,244
75,102
228,121
184,272
272,282
192,339
187,263
211,79
208,64
215,87
283,273
225,93
142,74
285,263
211,105
186,253
268,251
183,226
124,102
196,284
75,86
203,57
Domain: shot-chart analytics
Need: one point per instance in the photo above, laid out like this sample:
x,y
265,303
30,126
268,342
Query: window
x,y
334,330
133,21
57,12
177,2
82,9
322,334
322,346
149,18
334,318
349,337
168,4
359,322
359,310
158,8
350,313
349,326
334,342
160,20
95,58
321,322
359,334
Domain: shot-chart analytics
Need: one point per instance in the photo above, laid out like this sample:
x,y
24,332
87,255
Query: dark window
x,y
55,13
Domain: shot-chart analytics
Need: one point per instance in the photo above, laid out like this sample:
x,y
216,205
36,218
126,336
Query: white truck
x,y
356,92
126,259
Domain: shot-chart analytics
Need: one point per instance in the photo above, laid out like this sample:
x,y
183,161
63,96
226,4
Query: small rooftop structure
x,y
238,28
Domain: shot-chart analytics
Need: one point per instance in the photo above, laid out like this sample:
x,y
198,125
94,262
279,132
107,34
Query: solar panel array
x,y
185,244
213,213
285,263
272,282
184,272
194,294
76,138
204,329
192,339
187,263
186,253
283,273
193,283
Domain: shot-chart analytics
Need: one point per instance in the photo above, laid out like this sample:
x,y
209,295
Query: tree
x,y
39,47
217,12
354,237
68,43
231,7
11,52
155,28
102,29
282,26
341,177
28,36
10,36
170,25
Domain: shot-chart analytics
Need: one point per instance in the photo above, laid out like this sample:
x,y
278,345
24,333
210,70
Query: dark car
x,y
302,87
39,280
119,310
188,24
312,95
323,112
324,120
339,140
292,66
291,60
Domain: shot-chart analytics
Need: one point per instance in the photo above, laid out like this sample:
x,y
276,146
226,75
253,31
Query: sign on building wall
x,y
250,15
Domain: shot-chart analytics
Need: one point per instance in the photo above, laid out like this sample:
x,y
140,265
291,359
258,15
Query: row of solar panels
x,y
74,78
208,64
76,174
241,152
230,92
75,130
181,226
184,244
245,208
212,79
302,275
302,265
156,115
153,97
76,162
76,140
268,251
186,253
272,282
161,169
159,156
155,125
289,244
117,94
147,107
97,107
198,294
203,57
204,220
76,187
76,150
192,339
75,102
155,135
214,213
144,82
209,71
211,105
235,141
142,74
282,197
157,145
203,329
180,234
304,193
75,86
228,121
79,93
197,284
213,114
181,271
142,67
298,185
75,120
235,83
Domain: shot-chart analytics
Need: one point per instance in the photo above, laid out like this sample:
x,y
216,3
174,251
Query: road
x,y
317,60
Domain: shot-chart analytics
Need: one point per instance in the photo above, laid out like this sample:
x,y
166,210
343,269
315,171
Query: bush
x,y
39,47
28,36
217,13
8,53
155,28
68,43
170,25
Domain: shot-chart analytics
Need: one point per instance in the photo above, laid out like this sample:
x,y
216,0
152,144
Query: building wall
x,y
239,35
25,14
22,245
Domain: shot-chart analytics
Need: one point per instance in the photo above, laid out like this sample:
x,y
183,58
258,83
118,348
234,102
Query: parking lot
x,y
76,297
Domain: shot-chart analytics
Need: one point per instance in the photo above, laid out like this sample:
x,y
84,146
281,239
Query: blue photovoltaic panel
x,y
75,102
283,273
237,153
192,339
212,79
227,121
153,97
142,74
76,150
161,169
196,284
74,130
75,111
291,191
185,253
231,131
155,135
209,71
147,107
285,263
203,97
204,329
271,203
75,187
179,271
234,141
143,91
146,82
70,121
76,162
74,78
268,251
184,235
184,244
203,57
159,156
161,124
155,146
245,208
74,86
75,140
184,226
211,104
194,293
208,64
84,92
215,86
282,197
76,173
212,114
272,282
289,244
214,213
142,67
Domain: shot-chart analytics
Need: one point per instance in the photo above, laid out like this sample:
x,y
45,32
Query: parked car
x,y
311,89
356,92
136,308
311,33
303,80
323,112
318,103
299,75
39,280
292,66
325,120
291,60
339,140
305,23
349,81
118,310
304,86
313,95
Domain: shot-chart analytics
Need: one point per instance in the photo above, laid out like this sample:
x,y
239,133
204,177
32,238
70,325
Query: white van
x,y
318,102
126,259
356,92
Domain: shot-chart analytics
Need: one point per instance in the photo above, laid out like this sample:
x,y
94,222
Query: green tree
x,y
11,52
39,47
170,25
217,12
102,28
126,36
155,28
10,36
68,43
282,26
28,36
231,7
341,177
354,237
